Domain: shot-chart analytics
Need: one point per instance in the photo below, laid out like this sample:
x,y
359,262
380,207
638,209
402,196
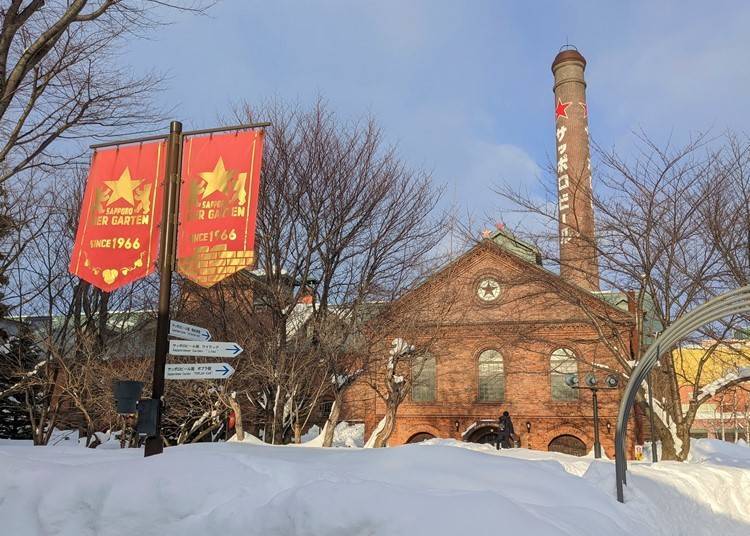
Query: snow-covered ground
x,y
442,487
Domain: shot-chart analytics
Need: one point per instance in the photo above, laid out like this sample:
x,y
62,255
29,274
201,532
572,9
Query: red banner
x,y
117,240
218,205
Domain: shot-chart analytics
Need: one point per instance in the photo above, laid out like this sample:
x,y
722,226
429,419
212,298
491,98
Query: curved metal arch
x,y
733,302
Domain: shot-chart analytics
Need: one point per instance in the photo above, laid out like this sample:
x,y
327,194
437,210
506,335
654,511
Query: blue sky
x,y
465,88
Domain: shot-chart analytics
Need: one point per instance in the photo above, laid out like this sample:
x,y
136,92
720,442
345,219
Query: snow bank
x,y
437,487
720,453
249,439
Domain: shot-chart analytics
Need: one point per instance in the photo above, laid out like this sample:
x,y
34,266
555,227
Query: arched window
x,y
562,362
491,376
423,379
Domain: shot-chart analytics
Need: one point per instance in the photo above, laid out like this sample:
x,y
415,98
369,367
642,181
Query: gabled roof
x,y
521,255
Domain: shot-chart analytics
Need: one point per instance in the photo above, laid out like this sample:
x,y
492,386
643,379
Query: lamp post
x,y
592,384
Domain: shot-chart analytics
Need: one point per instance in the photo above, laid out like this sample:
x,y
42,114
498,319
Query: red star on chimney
x,y
562,109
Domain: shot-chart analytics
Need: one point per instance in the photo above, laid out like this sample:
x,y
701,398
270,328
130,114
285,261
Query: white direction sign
x,y
205,349
188,331
198,371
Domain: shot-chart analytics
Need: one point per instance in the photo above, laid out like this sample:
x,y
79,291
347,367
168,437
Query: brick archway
x,y
419,437
483,435
568,444
563,430
410,432
479,431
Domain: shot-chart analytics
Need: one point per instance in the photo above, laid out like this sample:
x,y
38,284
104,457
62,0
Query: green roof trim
x,y
509,242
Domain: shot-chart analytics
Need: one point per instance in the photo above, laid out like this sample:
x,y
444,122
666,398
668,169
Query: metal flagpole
x,y
150,410
167,241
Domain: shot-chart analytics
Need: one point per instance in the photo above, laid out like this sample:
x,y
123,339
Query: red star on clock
x,y
562,109
585,109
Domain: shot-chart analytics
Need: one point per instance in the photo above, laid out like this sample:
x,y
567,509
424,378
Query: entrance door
x,y
484,435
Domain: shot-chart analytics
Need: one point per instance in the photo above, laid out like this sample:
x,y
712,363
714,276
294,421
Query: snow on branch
x,y
731,377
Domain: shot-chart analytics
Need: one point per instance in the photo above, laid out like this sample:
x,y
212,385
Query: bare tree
x,y
74,326
63,81
725,210
653,244
395,388
342,225
62,77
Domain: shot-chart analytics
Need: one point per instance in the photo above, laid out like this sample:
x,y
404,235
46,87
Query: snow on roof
x,y
297,318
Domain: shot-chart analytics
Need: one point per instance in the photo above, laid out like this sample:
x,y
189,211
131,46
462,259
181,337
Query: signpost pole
x,y
155,444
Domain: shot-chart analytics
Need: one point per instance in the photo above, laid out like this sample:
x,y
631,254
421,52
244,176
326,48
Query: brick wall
x,y
525,324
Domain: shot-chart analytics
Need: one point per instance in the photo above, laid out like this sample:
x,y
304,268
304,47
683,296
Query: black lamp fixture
x,y
528,426
457,425
609,427
591,382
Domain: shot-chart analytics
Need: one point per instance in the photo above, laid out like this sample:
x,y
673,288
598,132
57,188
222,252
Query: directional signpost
x,y
188,332
132,201
198,371
205,349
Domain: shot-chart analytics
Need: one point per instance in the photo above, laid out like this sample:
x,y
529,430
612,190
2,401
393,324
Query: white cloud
x,y
482,168
503,163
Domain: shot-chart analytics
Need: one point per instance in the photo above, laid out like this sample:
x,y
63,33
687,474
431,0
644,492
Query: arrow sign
x,y
188,331
205,349
198,371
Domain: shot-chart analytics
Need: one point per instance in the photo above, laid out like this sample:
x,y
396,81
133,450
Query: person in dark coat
x,y
505,431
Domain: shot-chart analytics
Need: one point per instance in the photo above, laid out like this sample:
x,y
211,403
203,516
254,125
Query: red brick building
x,y
507,342
516,329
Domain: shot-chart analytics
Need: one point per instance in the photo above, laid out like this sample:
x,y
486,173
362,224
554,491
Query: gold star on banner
x,y
122,188
216,180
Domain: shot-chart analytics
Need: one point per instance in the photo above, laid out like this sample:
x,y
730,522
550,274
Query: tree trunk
x,y
382,437
277,416
297,433
683,433
122,432
331,422
239,431
668,447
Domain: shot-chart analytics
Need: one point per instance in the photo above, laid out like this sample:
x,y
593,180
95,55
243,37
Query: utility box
x,y
127,393
148,416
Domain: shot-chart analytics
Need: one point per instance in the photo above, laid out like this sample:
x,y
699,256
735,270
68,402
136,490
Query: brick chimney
x,y
578,259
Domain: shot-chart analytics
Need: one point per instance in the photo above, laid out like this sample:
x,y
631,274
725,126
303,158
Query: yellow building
x,y
702,366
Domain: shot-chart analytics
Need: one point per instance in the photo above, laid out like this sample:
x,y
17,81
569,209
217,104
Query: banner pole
x,y
167,241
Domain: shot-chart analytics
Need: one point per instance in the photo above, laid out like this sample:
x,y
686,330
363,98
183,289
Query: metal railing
x,y
730,303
